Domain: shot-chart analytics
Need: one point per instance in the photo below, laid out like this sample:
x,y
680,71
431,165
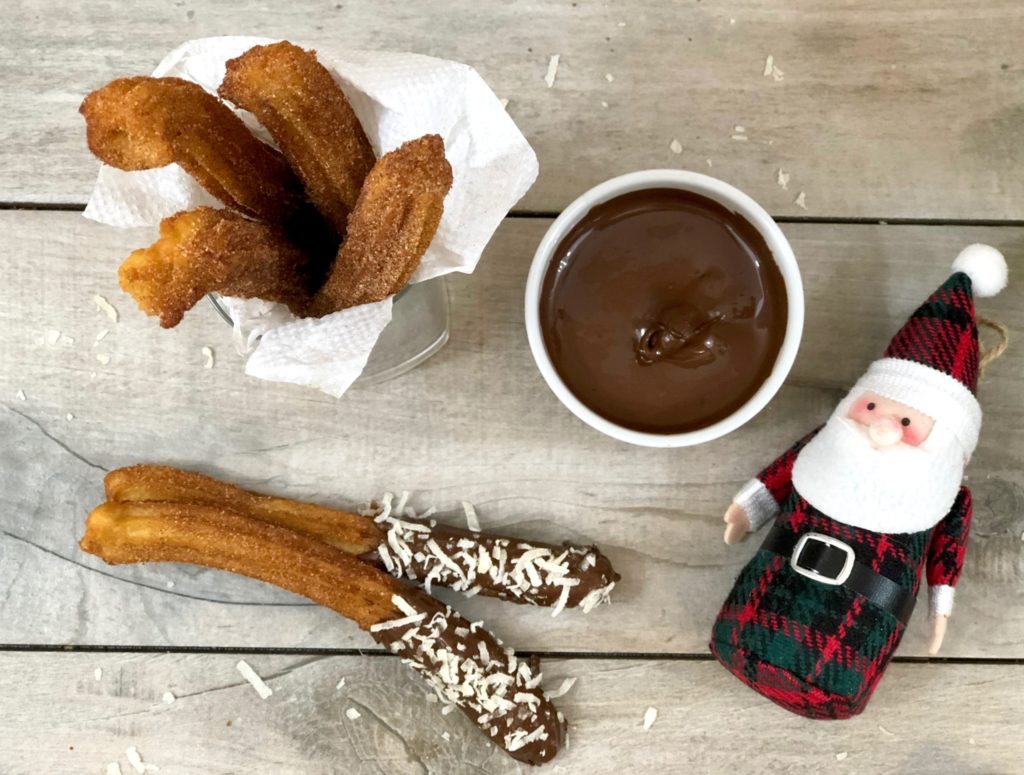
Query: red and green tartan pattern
x,y
815,649
942,333
948,546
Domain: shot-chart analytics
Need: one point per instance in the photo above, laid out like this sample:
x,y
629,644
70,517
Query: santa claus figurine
x,y
858,508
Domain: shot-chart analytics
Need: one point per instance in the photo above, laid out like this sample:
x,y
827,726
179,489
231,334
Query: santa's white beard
x,y
901,489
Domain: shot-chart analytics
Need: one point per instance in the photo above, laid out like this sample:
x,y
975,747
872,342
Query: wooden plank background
x,y
525,461
217,724
900,111
887,109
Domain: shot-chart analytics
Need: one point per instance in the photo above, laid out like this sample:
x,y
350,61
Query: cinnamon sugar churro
x,y
422,550
141,123
310,119
393,222
465,664
205,250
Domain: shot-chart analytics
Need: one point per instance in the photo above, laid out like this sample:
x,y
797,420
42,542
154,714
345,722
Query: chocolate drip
x,y
469,667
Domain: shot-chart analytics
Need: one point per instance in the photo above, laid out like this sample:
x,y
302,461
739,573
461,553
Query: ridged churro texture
x,y
213,537
205,250
349,532
393,222
141,123
310,119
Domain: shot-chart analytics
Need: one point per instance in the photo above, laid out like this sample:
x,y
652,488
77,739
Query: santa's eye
x,y
871,406
905,422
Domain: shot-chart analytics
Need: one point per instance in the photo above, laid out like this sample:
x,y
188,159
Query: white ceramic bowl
x,y
713,189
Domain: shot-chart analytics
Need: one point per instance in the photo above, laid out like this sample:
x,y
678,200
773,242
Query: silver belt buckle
x,y
844,574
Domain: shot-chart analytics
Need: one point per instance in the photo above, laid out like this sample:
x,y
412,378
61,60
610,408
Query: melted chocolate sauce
x,y
663,311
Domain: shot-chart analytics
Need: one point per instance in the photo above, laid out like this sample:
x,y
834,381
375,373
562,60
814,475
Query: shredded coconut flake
x,y
675,146
709,162
169,697
504,103
447,709
563,689
777,74
741,138
103,358
769,63
257,683
801,201
650,716
604,104
445,736
135,760
98,673
340,684
208,355
101,336
106,307
20,395
353,714
52,337
114,769
739,129
841,756
609,77
472,521
549,78
885,731
782,178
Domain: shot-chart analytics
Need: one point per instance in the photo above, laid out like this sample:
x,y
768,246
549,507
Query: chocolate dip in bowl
x,y
664,308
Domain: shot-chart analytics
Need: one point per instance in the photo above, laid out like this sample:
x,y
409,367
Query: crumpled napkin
x,y
397,97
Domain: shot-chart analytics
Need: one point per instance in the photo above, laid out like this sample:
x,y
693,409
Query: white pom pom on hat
x,y
985,266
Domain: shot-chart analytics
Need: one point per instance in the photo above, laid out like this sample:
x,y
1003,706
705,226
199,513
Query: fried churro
x,y
465,664
141,123
344,530
393,222
423,550
310,119
204,250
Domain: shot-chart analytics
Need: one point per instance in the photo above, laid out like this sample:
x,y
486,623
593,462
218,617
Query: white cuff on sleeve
x,y
758,503
940,600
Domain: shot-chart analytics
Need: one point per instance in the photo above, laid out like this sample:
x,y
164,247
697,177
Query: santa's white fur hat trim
x,y
930,391
985,266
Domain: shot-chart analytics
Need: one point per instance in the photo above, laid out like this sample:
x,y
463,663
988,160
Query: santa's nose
x,y
885,432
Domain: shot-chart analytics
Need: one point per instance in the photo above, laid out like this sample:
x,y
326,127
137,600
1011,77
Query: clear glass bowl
x,y
419,327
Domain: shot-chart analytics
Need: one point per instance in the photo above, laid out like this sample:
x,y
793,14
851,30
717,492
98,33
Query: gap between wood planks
x,y
652,656
72,207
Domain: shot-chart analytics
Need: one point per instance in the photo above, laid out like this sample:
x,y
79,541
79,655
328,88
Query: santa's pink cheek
x,y
912,436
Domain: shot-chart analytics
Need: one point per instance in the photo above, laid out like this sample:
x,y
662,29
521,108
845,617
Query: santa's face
x,y
880,465
889,422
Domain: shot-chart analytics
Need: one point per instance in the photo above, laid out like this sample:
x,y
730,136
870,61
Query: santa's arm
x,y
762,497
946,554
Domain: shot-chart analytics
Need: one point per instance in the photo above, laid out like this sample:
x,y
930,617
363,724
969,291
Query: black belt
x,y
830,561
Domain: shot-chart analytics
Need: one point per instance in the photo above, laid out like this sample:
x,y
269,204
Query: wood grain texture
x,y
476,422
217,724
886,109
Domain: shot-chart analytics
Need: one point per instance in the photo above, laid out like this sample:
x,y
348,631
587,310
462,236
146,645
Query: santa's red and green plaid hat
x,y
932,362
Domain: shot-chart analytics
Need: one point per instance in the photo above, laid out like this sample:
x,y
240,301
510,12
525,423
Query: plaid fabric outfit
x,y
815,649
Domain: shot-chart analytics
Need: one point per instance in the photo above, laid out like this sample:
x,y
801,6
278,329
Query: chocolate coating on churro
x,y
470,668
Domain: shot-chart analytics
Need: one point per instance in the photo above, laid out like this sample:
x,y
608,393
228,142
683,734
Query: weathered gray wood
x,y
476,422
925,718
887,109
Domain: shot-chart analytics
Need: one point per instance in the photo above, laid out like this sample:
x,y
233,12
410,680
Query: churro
x,y
465,664
204,250
310,119
393,222
141,123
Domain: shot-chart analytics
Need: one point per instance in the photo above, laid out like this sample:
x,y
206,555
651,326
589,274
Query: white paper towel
x,y
397,97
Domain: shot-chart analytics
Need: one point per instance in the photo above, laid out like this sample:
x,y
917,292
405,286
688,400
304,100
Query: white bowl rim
x,y
718,191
